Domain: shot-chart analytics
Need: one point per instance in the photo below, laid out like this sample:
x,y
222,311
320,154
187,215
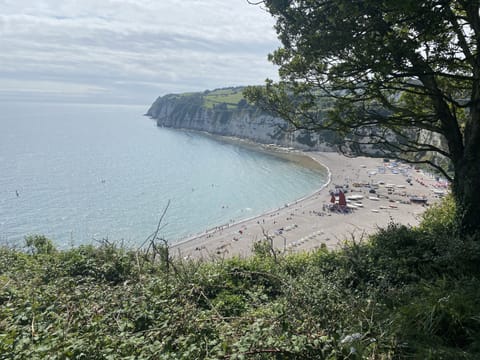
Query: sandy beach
x,y
308,224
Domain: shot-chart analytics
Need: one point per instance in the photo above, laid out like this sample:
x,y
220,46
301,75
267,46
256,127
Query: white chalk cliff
x,y
188,111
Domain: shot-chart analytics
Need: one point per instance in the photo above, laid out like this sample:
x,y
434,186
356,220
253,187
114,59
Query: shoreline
x,y
304,224
193,237
290,154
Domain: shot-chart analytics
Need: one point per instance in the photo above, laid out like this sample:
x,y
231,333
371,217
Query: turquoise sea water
x,y
87,172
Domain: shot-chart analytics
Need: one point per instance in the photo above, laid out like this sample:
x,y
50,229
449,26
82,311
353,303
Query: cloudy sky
x,y
130,51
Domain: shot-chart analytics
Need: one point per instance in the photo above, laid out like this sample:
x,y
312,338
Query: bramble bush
x,y
404,293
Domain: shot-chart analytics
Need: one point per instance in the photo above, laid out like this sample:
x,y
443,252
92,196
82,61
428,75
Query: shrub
x,y
440,319
406,293
440,218
39,244
106,262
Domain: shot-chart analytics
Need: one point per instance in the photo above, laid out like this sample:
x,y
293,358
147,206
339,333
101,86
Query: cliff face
x,y
207,112
225,112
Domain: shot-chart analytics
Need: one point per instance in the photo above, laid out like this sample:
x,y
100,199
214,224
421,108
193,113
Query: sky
x,y
130,51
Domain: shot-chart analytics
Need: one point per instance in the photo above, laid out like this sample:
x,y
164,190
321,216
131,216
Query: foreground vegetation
x,y
404,293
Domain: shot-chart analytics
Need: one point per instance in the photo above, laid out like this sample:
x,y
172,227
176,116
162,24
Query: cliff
x,y
225,112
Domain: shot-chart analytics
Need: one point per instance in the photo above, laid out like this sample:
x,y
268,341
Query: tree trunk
x,y
466,190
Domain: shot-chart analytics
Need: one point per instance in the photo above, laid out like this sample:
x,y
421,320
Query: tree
x,y
397,79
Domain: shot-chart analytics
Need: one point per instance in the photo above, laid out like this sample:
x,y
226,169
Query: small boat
x,y
375,210
355,197
357,204
418,199
374,198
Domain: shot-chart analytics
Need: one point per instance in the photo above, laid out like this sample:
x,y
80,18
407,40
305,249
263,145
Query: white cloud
x,y
177,44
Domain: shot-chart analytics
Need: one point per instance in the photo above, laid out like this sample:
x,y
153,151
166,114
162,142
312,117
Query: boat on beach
x,y
418,199
354,197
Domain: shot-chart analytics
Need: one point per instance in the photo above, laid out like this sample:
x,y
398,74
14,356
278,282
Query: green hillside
x,y
406,293
229,96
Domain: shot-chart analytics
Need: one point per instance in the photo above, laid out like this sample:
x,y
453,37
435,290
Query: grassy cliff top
x,y
229,98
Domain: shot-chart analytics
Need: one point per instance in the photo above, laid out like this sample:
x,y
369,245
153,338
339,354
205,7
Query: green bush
x,y
106,262
39,244
441,319
404,293
440,218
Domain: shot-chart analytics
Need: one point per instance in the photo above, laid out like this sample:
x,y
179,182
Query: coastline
x,y
239,222
291,154
305,224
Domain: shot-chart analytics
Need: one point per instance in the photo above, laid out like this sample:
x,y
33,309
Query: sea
x,y
85,173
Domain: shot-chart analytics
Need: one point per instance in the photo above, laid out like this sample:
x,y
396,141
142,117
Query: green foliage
x,y
264,248
362,58
444,313
107,262
404,293
39,244
440,219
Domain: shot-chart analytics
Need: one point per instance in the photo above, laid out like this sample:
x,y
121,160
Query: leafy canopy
x,y
396,78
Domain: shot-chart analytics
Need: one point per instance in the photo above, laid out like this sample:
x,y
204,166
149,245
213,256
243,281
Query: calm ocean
x,y
80,173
